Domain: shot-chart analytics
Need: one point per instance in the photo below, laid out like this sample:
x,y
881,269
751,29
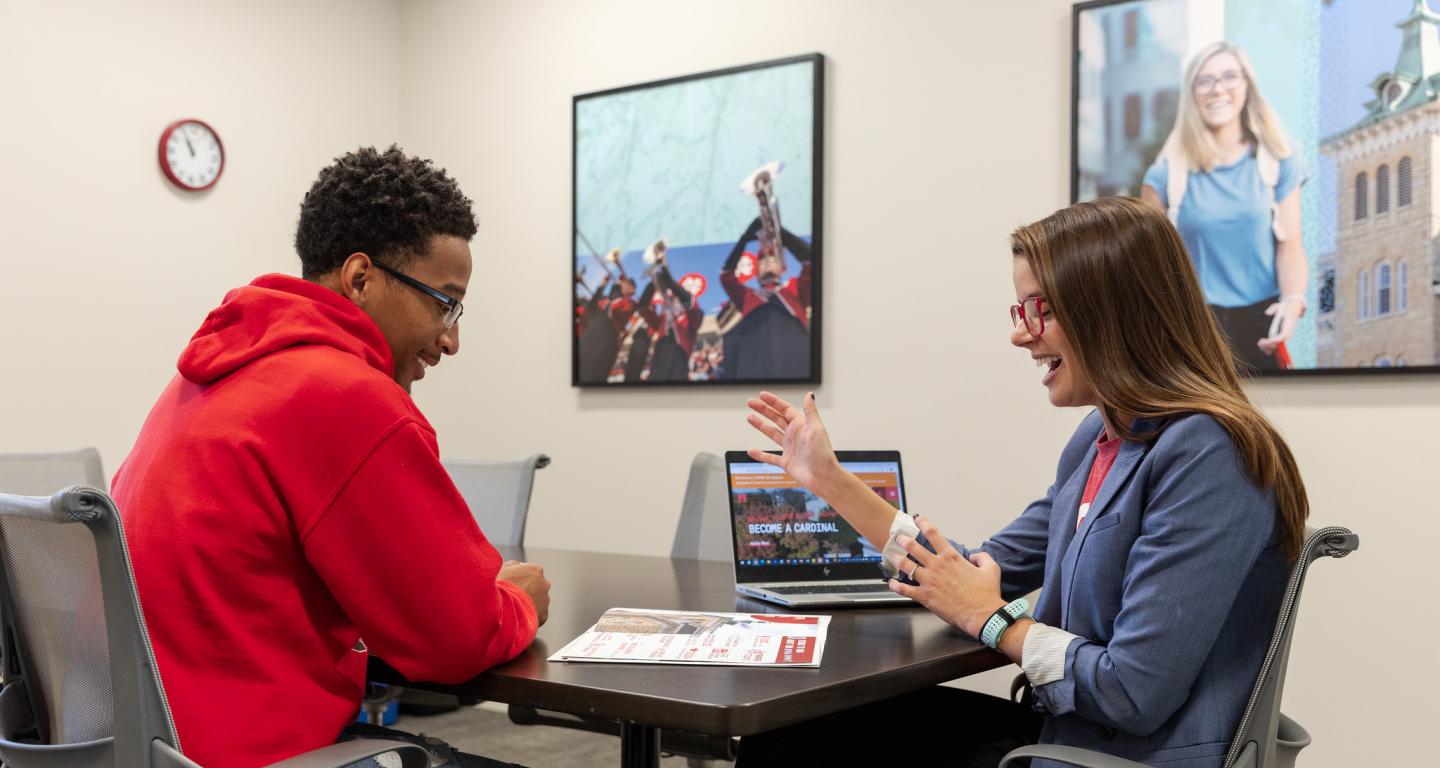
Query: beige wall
x,y
946,127
107,269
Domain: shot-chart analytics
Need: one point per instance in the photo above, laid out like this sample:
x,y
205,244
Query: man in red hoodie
x,y
285,506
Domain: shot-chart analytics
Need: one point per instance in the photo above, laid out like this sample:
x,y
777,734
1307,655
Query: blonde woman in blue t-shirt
x,y
1237,205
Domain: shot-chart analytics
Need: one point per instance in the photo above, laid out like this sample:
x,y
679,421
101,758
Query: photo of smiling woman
x,y
1237,203
1161,550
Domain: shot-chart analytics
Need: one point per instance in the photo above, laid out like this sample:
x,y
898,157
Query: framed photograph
x,y
1291,142
697,248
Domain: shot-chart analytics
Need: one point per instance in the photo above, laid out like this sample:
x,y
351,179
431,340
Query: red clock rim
x,y
165,167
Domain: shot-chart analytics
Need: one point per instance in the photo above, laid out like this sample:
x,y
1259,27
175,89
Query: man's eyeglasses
x,y
1031,312
453,308
1229,80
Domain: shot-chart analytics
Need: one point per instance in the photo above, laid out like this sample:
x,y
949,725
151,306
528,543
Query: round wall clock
x,y
191,154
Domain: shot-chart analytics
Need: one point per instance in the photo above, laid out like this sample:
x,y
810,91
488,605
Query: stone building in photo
x,y
1378,289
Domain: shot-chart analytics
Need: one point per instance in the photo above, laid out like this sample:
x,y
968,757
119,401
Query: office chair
x,y
498,493
702,534
84,691
41,474
704,529
1265,738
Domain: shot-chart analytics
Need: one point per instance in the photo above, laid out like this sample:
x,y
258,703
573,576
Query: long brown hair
x,y
1116,275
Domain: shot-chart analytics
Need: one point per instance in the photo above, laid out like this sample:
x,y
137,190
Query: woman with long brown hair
x,y
1162,547
1229,178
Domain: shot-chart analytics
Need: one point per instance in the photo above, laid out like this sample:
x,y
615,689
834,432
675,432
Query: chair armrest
x,y
1071,756
1290,735
347,752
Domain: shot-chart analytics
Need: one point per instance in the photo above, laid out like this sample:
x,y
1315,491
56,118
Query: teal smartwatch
x,y
1001,620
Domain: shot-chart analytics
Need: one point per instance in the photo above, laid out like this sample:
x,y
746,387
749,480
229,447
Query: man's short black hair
x,y
380,203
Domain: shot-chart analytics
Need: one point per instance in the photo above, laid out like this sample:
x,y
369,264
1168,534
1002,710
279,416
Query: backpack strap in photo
x,y
1267,165
1177,175
1269,168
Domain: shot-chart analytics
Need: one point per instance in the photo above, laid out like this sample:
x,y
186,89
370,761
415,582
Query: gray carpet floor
x,y
485,730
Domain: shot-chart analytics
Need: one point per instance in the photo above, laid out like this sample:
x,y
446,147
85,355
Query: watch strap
x,y
1001,620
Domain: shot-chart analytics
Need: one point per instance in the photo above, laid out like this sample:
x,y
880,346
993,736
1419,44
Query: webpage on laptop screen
x,y
778,522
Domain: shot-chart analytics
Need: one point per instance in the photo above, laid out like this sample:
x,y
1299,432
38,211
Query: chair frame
x,y
143,729
1265,738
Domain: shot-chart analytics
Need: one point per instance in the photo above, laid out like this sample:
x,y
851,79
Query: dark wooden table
x,y
870,654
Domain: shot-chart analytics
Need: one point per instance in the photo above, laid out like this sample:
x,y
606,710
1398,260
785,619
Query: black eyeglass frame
x,y
453,307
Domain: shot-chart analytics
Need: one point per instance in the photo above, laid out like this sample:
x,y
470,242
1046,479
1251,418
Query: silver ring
x,y
911,574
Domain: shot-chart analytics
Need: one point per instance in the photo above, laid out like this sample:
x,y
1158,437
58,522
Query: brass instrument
x,y
761,184
591,248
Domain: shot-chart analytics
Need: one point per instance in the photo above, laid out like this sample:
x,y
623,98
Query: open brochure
x,y
697,637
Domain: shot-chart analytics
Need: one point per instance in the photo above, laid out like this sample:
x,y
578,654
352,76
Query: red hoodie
x,y
285,499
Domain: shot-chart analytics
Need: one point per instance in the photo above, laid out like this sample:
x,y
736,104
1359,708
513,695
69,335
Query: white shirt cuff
x,y
1043,657
902,523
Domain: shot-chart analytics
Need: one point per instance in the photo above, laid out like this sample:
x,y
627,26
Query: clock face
x,y
191,154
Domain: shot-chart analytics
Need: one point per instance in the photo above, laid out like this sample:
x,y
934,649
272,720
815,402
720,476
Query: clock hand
x,y
186,135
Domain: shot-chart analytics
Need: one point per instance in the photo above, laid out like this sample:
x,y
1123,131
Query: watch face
x,y
191,154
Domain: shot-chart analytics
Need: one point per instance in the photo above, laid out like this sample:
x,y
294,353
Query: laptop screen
x,y
783,532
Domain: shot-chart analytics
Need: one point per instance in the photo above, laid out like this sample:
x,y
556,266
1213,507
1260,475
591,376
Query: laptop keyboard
x,y
828,589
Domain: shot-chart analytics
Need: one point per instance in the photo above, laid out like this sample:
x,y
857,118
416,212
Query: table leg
x,y
639,746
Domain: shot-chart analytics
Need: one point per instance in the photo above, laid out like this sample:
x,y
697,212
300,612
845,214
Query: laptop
x,y
793,549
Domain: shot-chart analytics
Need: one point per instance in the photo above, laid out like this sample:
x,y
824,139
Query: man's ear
x,y
357,278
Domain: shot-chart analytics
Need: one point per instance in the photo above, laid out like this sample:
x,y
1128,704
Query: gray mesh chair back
x,y
1265,738
704,529
83,690
75,639
41,474
498,493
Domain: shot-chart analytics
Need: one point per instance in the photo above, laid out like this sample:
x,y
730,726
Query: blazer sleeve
x,y
403,555
1203,527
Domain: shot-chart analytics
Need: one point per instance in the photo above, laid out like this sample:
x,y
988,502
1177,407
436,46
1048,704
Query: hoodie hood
x,y
277,312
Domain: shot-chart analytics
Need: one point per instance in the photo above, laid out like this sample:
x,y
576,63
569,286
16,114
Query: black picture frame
x,y
710,338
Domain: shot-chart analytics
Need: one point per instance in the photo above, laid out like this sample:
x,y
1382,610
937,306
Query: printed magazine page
x,y
696,637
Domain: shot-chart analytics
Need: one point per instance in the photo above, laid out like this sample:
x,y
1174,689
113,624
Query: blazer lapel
x,y
1119,474
1062,531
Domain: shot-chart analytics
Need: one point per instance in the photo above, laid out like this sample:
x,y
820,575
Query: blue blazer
x,y
1172,584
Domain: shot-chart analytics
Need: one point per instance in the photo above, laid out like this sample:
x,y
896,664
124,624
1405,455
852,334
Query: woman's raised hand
x,y
807,457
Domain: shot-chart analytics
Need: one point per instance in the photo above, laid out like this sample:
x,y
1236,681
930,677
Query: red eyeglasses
x,y
1031,312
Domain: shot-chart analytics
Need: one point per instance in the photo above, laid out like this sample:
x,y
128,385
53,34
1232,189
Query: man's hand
x,y
531,578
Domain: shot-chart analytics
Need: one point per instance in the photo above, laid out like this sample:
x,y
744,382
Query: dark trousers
x,y
1244,326
442,755
935,726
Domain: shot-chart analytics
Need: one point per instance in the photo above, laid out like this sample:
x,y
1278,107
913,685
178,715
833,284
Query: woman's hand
x,y
807,457
962,592
1287,312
